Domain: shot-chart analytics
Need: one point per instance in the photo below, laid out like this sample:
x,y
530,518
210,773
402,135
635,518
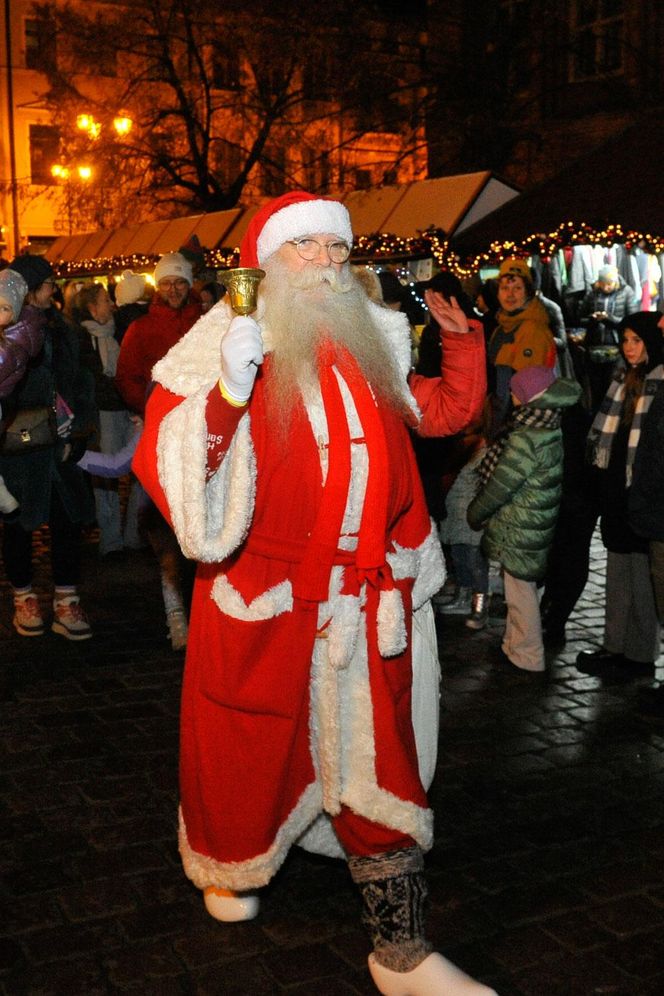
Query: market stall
x,y
393,222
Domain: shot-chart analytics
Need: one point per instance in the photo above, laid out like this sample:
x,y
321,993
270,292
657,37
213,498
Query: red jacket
x,y
453,401
146,341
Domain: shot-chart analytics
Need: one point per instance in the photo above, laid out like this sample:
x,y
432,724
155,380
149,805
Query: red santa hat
x,y
292,216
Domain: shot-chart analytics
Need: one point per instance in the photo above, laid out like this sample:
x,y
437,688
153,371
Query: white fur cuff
x,y
391,623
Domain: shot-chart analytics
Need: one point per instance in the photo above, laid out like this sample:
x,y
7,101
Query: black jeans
x,y
568,564
65,549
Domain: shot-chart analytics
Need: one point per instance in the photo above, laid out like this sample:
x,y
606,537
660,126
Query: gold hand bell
x,y
242,286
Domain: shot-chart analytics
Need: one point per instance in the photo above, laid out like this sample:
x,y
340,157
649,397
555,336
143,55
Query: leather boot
x,y
479,611
460,604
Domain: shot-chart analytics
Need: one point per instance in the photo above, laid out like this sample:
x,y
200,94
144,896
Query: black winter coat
x,y
32,475
646,495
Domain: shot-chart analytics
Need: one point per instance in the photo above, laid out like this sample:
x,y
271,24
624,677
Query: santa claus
x,y
278,447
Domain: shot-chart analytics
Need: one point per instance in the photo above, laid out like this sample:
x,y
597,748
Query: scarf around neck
x,y
532,418
312,578
604,427
104,341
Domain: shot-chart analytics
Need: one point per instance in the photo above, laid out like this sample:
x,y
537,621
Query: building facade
x,y
72,119
527,86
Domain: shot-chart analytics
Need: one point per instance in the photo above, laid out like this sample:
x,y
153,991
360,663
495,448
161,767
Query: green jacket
x,y
518,506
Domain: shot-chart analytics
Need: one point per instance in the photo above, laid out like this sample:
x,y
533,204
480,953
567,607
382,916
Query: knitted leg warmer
x,y
394,893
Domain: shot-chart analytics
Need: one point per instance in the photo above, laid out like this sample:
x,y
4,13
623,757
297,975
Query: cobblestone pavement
x,y
547,874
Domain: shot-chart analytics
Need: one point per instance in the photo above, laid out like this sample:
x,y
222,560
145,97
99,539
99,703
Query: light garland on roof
x,y
386,248
569,233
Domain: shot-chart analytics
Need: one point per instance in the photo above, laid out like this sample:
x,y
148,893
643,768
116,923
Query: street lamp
x,y
68,175
61,172
93,130
122,124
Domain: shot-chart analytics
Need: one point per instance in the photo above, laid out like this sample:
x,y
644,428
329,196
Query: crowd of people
x,y
488,449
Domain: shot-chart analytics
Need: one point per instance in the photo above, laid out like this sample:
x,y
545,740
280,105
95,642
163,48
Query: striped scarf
x,y
607,420
532,418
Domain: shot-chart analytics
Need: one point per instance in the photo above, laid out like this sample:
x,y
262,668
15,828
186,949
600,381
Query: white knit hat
x,y
13,289
129,288
173,264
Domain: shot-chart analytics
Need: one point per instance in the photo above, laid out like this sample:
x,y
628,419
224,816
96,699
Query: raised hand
x,y
241,355
448,314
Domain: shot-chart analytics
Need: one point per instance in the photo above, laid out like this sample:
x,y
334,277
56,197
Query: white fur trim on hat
x,y
173,264
300,219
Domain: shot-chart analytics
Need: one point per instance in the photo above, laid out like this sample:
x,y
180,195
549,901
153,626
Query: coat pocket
x,y
274,601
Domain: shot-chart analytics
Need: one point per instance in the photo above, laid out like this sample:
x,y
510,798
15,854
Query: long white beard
x,y
316,305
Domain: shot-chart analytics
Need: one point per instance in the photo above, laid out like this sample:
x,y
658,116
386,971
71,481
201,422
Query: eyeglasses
x,y
167,285
309,248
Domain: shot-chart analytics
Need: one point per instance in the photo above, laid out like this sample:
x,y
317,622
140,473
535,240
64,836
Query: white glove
x,y
241,355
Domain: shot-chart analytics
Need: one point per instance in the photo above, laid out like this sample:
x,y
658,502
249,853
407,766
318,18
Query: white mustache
x,y
313,276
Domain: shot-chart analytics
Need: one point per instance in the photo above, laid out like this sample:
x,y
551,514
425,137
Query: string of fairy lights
x,y
382,249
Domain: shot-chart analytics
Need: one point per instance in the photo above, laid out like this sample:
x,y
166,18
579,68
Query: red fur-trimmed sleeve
x,y
454,400
222,420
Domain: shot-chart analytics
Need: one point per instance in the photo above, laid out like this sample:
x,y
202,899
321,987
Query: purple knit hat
x,y
528,383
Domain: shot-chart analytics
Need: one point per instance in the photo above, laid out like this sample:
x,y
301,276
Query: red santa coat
x,y
314,549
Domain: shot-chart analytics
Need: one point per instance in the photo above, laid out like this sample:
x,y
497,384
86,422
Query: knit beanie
x,y
608,274
129,288
645,324
292,216
13,289
514,267
530,382
34,269
173,264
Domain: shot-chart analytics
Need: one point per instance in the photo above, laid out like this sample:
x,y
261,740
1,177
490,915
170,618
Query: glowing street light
x,y
60,172
66,174
122,123
86,123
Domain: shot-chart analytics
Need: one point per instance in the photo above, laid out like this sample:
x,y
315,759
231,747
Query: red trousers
x,y
362,838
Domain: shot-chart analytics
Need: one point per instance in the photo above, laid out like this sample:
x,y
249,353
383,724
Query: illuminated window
x,y
597,39
225,69
44,151
317,78
39,41
363,178
317,170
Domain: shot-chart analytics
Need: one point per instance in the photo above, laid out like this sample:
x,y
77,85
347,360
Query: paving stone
x,y
240,978
11,955
545,876
628,915
305,964
151,963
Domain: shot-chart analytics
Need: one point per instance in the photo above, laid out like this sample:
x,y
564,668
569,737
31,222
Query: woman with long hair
x,y
631,628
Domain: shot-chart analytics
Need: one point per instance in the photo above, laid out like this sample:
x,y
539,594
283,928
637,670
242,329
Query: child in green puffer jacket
x,y
517,503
